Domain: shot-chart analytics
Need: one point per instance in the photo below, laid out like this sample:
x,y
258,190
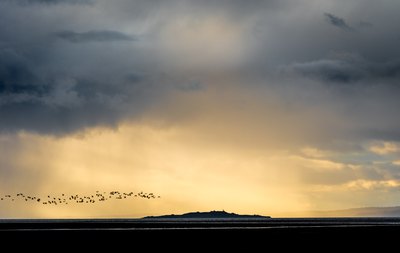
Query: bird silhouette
x,y
84,199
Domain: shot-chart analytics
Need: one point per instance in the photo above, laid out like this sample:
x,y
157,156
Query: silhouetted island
x,y
206,215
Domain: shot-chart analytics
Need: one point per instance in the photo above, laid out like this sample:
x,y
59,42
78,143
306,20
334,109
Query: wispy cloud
x,y
345,68
385,148
338,22
341,23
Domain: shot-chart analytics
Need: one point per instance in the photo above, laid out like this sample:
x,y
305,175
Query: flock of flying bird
x,y
90,199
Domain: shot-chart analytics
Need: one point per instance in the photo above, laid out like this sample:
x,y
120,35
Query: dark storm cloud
x,y
15,72
90,36
50,87
63,106
338,22
59,103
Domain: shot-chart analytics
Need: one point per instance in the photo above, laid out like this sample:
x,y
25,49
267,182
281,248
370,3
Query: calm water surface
x,y
173,224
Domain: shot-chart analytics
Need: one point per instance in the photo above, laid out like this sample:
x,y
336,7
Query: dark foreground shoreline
x,y
205,234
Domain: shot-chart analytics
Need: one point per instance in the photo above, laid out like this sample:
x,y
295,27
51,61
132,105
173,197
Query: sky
x,y
252,107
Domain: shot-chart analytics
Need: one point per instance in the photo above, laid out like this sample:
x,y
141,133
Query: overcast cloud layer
x,y
319,79
68,65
